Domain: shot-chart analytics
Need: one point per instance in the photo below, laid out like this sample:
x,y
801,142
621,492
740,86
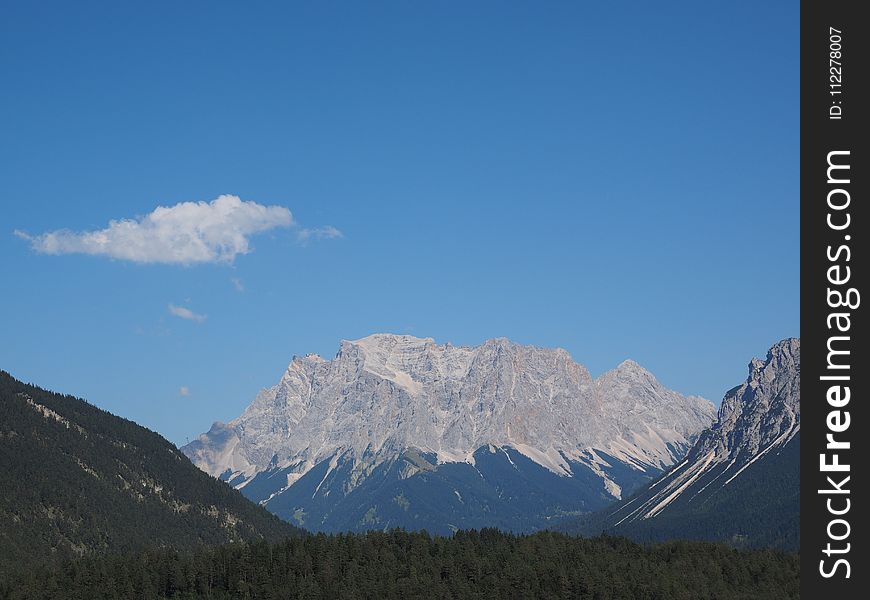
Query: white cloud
x,y
238,284
186,313
184,391
187,233
327,232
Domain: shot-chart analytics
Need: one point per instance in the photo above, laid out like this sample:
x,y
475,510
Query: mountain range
x,y
399,431
740,481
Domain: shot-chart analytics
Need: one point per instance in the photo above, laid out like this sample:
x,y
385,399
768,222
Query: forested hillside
x,y
77,480
485,565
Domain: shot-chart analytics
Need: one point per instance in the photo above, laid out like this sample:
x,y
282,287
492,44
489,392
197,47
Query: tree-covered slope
x,y
76,479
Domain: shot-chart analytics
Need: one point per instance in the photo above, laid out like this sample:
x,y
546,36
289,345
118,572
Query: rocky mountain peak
x,y
756,418
420,418
629,371
386,394
782,358
765,405
740,481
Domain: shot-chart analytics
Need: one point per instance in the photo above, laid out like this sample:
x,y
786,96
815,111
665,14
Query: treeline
x,y
487,564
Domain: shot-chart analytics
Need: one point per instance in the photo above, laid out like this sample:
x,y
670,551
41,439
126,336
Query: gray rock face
x,y
385,395
762,413
756,420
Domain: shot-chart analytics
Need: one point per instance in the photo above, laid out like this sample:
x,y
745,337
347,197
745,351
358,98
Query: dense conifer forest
x,y
487,565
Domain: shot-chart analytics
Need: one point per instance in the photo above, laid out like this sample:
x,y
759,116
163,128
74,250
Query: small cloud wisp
x,y
185,313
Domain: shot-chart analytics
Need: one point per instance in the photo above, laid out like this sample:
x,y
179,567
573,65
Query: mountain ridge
x,y
386,395
749,458
77,480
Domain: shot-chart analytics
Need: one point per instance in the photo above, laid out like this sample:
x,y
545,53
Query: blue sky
x,y
617,179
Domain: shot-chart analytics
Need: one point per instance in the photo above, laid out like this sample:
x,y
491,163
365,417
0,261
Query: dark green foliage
x,y
77,480
487,564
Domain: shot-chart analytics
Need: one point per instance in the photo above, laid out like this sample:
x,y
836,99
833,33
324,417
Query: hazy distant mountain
x,y
740,482
76,479
400,431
